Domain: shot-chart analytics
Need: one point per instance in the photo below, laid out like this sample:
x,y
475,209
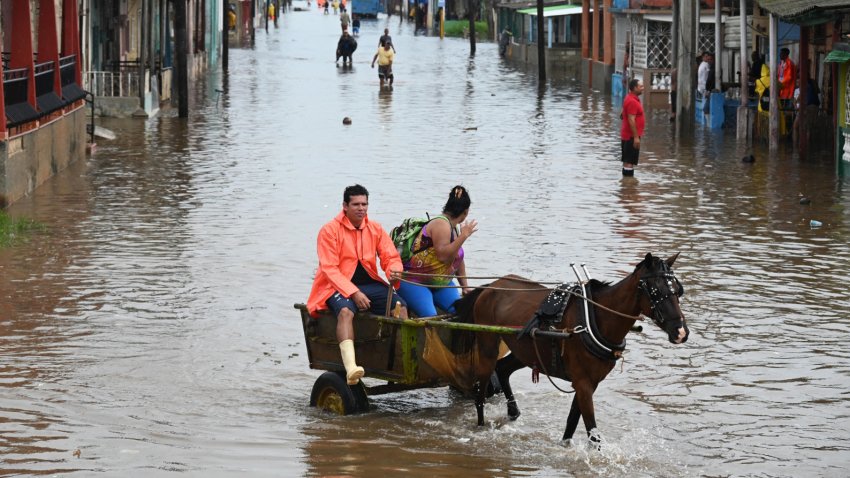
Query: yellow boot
x,y
353,373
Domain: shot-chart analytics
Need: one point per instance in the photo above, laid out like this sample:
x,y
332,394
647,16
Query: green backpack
x,y
405,234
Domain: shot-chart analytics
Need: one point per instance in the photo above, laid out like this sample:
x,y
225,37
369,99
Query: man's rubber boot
x,y
353,373
628,172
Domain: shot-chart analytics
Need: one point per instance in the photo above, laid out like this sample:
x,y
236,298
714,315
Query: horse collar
x,y
588,330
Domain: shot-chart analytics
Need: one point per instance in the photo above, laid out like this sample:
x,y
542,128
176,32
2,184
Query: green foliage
x,y
458,28
15,229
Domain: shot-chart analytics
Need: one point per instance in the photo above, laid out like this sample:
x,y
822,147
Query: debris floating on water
x,y
813,223
104,133
346,120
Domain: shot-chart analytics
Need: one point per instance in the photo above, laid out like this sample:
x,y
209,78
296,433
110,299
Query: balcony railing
x,y
46,98
112,83
16,94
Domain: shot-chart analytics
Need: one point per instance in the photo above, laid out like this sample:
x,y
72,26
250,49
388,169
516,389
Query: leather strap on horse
x,y
593,340
543,367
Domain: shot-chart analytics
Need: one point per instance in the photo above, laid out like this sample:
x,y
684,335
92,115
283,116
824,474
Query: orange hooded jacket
x,y
340,246
787,79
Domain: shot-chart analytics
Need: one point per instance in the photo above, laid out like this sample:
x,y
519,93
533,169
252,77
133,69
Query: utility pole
x,y
225,37
774,87
744,110
718,47
181,54
541,47
253,18
472,14
688,12
142,53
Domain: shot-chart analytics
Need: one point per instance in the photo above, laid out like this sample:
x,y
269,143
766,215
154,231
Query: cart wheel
x,y
333,394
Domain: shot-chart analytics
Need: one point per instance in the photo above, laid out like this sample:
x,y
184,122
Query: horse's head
x,y
659,296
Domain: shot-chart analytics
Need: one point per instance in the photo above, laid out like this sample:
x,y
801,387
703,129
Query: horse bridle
x,y
656,296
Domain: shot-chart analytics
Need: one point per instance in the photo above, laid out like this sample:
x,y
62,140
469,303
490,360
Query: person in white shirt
x,y
702,74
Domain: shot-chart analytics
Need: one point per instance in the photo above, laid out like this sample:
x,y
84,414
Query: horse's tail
x,y
465,305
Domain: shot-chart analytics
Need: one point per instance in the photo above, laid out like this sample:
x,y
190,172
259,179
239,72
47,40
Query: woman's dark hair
x,y
458,202
356,190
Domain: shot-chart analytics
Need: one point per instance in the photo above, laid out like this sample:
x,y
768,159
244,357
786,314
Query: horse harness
x,y
657,296
551,313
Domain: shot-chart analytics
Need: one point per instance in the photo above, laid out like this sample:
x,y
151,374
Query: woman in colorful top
x,y
439,253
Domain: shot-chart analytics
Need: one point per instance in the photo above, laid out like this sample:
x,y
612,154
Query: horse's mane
x,y
596,285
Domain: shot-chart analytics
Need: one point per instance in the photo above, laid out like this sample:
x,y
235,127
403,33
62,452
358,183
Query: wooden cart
x,y
389,349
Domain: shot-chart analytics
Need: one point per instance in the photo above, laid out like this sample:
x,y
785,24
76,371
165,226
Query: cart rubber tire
x,y
332,393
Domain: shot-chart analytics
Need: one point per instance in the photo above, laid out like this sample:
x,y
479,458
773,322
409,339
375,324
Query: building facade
x,y
129,46
42,102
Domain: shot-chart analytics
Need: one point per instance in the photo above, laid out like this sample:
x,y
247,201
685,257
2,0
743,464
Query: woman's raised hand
x,y
467,228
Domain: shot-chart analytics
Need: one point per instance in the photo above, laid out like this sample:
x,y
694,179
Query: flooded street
x,y
151,325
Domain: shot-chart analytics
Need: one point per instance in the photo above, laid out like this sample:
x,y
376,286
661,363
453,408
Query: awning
x,y
790,8
554,11
669,18
837,56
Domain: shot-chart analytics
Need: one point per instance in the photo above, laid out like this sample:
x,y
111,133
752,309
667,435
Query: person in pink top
x,y
631,131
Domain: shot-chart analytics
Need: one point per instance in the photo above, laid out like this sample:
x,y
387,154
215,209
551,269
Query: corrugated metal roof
x,y
791,8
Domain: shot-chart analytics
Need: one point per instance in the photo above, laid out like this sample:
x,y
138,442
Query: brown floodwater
x,y
151,325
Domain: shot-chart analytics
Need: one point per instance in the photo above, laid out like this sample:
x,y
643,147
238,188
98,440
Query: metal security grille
x,y
706,38
659,40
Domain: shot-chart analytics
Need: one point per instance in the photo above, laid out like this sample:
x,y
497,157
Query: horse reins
x,y
512,289
582,296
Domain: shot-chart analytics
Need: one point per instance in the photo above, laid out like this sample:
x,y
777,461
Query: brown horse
x,y
596,333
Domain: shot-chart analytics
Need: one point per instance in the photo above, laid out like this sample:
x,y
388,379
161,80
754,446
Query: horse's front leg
x,y
582,406
572,420
504,368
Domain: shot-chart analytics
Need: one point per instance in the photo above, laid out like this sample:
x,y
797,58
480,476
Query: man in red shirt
x,y
632,128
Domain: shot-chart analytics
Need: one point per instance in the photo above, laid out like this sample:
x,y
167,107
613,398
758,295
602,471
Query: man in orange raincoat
x,y
347,279
787,75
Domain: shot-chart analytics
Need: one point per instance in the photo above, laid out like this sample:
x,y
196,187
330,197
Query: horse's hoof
x,y
567,443
513,410
595,439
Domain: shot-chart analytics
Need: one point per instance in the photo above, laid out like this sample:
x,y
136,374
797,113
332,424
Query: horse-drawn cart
x,y
405,353
579,341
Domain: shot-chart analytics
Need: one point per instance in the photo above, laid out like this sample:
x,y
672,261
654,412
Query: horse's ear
x,y
648,258
672,259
